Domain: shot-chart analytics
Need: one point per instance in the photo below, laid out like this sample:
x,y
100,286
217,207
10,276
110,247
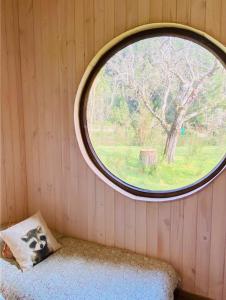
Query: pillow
x,y
6,252
30,241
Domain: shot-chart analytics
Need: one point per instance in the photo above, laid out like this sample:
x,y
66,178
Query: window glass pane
x,y
156,113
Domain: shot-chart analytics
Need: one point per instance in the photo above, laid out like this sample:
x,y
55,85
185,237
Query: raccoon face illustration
x,y
36,239
37,243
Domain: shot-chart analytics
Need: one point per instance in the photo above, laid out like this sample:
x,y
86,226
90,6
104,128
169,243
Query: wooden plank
x,y
62,211
70,67
109,20
189,243
213,15
119,220
169,10
46,11
224,285
120,16
99,24
218,238
99,212
131,14
164,224
8,121
3,205
184,11
53,120
81,40
65,214
156,8
13,119
223,22
141,226
88,29
152,229
130,224
143,12
59,106
176,234
4,217
109,196
37,104
50,109
19,145
203,239
198,14
91,184
82,202
31,109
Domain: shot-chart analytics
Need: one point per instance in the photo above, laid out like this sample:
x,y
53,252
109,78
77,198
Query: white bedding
x,y
87,271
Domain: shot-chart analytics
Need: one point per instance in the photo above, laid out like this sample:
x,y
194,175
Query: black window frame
x,y
134,37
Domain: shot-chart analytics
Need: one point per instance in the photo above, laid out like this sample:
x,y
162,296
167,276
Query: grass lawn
x,y
189,166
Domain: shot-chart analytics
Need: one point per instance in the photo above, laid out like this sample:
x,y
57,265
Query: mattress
x,y
83,270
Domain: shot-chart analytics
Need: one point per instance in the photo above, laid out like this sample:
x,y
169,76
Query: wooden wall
x,y
48,45
13,166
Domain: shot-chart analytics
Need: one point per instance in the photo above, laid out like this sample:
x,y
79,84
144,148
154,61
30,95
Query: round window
x,y
152,112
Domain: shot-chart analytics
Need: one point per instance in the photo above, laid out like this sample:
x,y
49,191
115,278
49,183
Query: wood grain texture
x,y
46,46
13,164
204,219
189,243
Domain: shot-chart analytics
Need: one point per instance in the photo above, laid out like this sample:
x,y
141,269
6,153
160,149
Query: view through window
x,y
156,113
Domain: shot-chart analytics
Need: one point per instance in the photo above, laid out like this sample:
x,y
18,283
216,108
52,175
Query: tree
x,y
167,76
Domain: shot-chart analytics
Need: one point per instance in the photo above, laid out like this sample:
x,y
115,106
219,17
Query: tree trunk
x,y
173,135
171,144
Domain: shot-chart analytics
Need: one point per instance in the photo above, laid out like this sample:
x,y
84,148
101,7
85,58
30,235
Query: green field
x,y
123,161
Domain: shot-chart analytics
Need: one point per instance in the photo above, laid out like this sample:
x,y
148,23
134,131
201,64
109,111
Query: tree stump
x,y
148,157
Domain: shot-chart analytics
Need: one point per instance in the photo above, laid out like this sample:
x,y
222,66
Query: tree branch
x,y
161,121
205,109
190,68
165,98
178,76
198,82
210,72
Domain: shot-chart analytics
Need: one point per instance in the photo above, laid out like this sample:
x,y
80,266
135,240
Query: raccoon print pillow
x,y
30,241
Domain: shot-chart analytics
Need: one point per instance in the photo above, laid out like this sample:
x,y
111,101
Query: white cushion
x,y
30,241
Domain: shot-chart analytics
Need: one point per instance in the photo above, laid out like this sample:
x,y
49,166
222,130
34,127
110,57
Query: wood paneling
x,y
46,47
13,165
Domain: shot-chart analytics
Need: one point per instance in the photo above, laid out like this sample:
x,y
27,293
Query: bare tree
x,y
176,72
